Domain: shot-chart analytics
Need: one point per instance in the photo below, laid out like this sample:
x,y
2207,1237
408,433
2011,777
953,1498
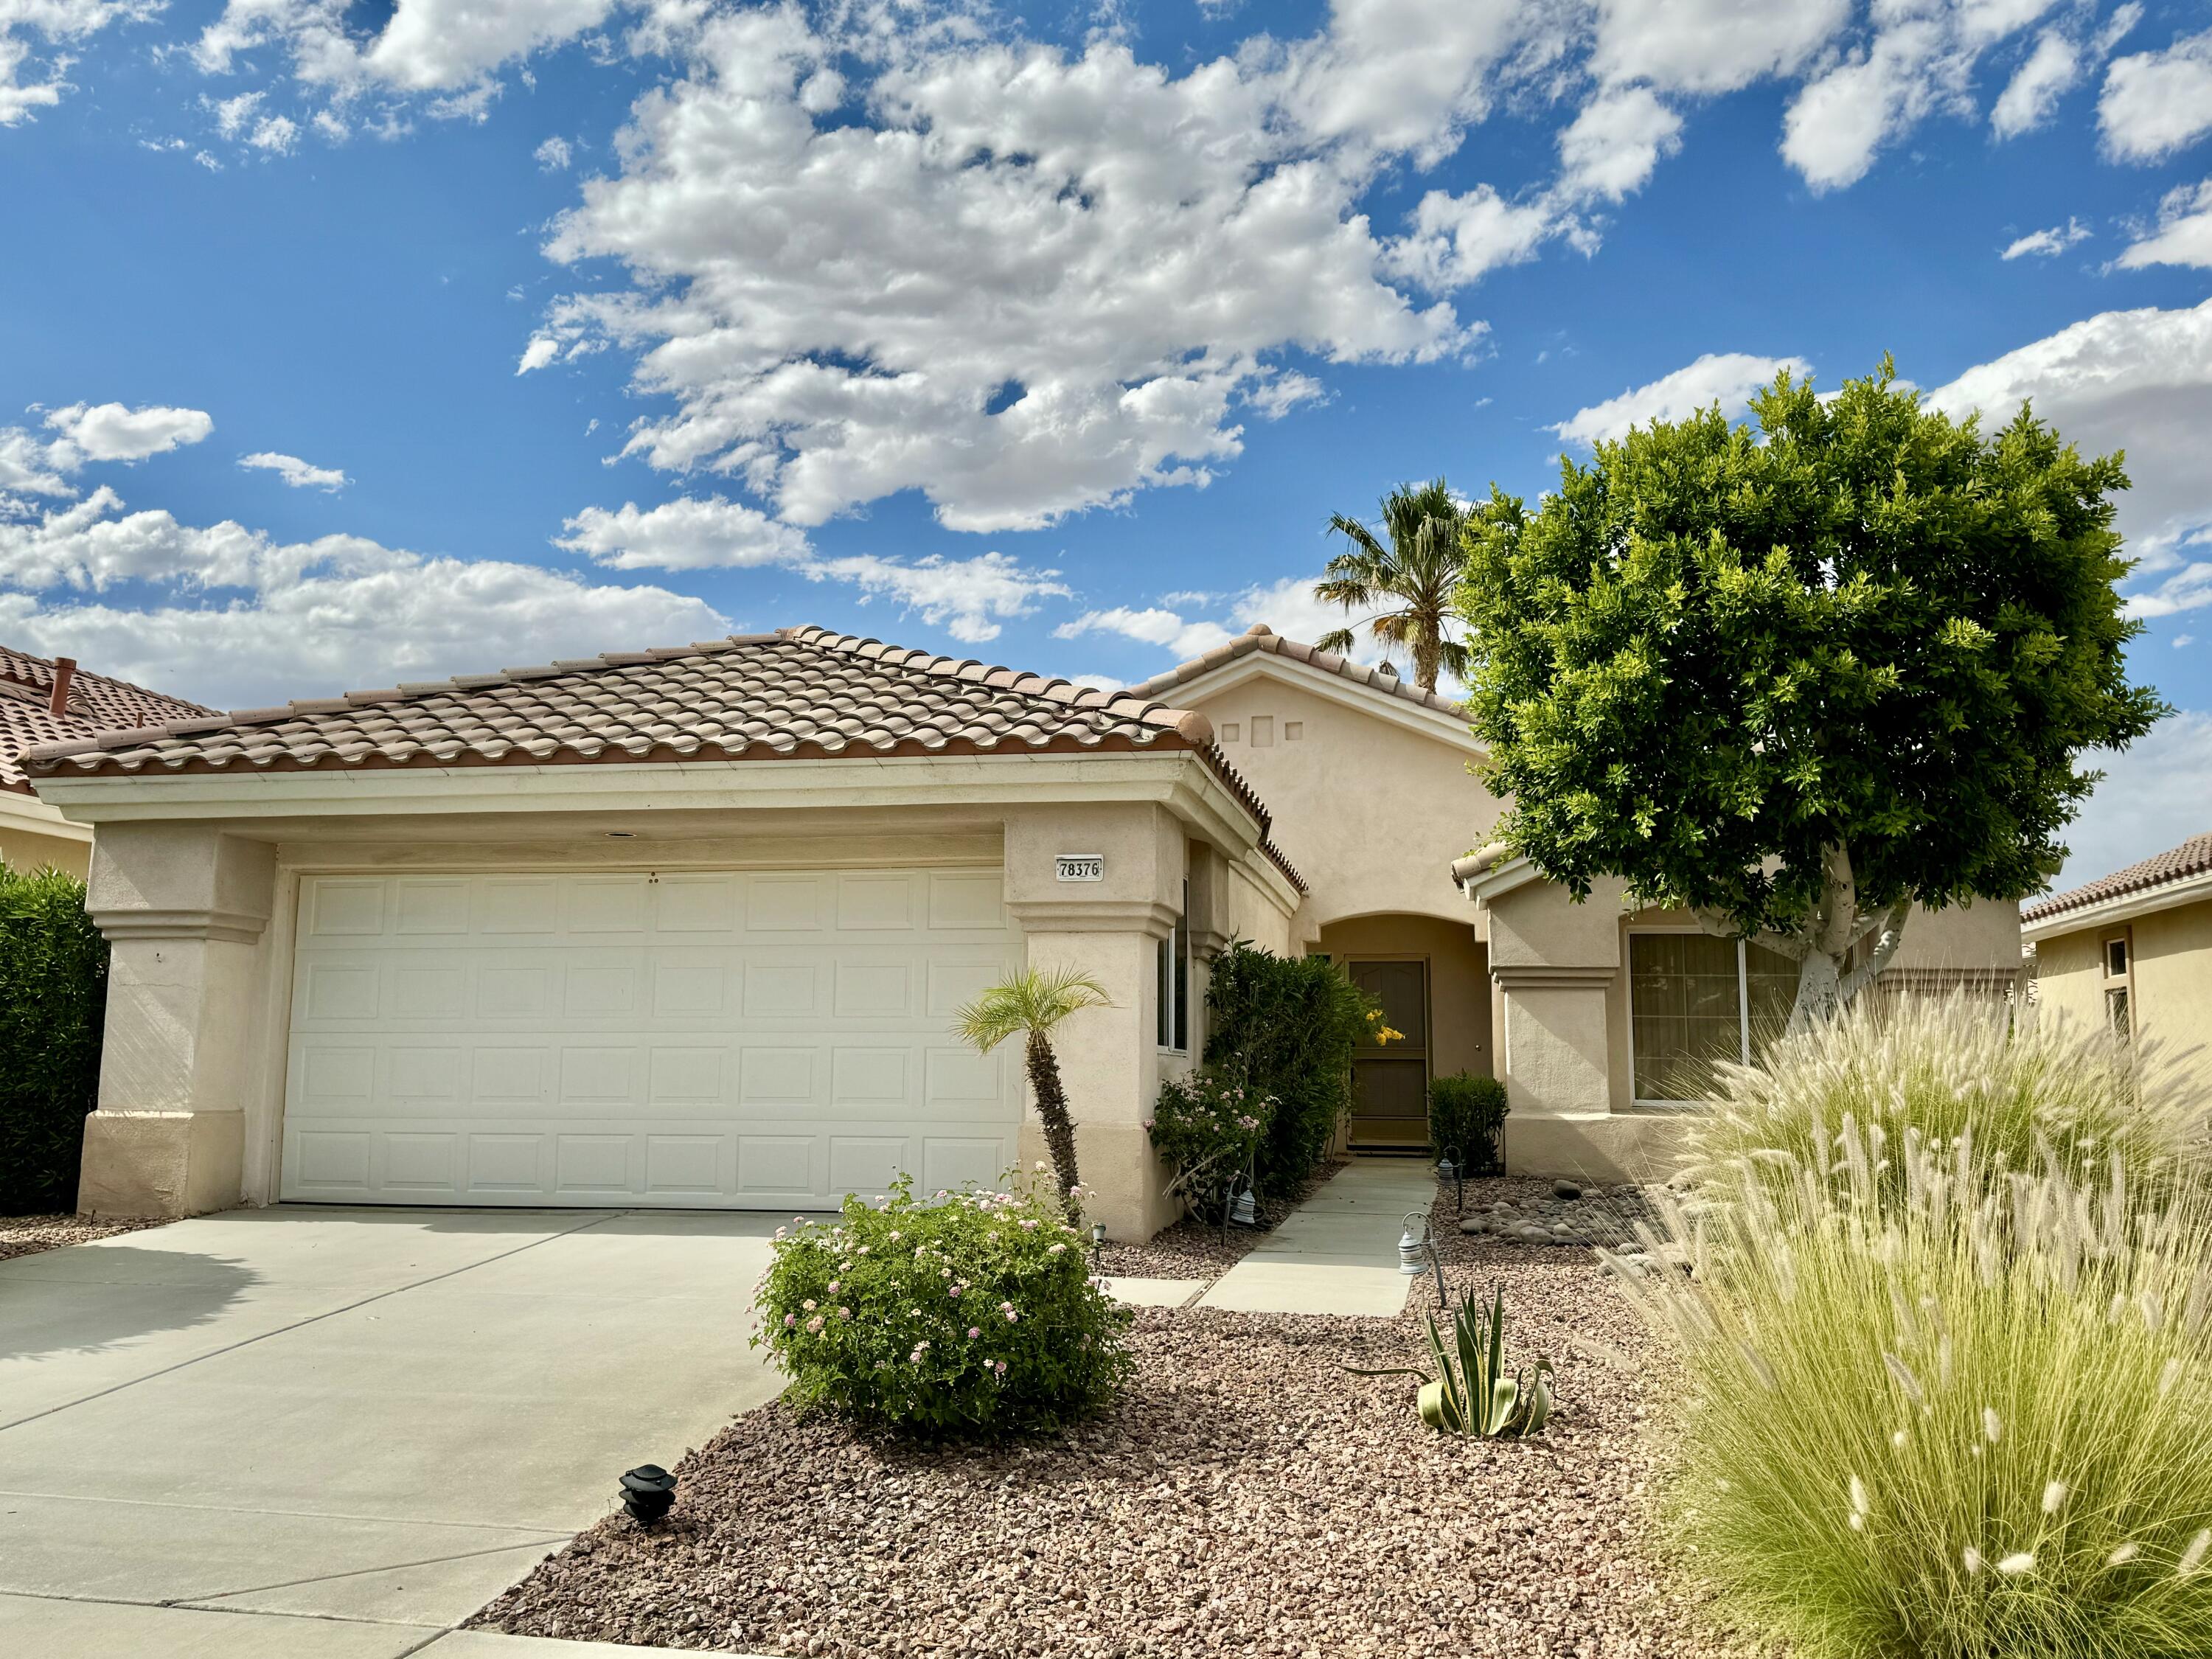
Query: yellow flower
x,y
1387,1035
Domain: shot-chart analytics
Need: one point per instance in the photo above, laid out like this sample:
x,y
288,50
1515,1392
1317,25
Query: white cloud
x,y
1707,46
967,598
1287,606
554,155
2047,244
541,351
1611,148
2153,797
688,533
2044,76
1728,378
1456,240
446,47
1919,60
299,474
112,432
36,39
277,134
244,619
1055,278
2135,380
1185,638
2154,103
231,114
31,465
2183,236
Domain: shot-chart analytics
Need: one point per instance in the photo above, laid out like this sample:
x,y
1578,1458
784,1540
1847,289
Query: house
x,y
2133,949
44,701
687,927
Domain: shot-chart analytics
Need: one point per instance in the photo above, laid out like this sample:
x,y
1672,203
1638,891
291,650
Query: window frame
x,y
1628,997
2118,989
1171,979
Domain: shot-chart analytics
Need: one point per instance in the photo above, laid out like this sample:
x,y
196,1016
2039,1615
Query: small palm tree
x,y
1415,578
1033,1002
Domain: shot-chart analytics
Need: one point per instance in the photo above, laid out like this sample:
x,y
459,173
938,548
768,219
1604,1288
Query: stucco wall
x,y
2171,957
1372,812
33,837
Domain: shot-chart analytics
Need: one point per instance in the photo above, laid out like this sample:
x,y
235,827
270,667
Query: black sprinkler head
x,y
647,1492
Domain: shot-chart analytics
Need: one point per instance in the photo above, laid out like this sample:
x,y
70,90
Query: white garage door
x,y
746,1039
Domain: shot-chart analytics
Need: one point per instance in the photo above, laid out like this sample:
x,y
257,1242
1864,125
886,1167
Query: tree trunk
x,y
1428,658
1059,1127
1821,945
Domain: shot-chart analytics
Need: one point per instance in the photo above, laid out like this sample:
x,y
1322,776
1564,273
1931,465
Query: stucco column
x,y
1109,1058
185,908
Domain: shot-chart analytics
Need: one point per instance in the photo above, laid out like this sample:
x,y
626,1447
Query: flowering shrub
x,y
970,1312
1210,1128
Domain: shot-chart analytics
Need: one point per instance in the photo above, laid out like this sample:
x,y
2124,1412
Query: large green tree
x,y
1799,679
1409,576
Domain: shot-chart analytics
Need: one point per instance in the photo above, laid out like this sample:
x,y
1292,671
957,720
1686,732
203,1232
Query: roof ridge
x,y
1261,637
2193,857
1186,723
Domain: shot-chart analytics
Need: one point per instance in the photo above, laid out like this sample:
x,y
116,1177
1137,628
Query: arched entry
x,y
1432,978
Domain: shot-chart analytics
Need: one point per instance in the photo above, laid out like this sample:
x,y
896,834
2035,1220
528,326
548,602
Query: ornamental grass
x,y
2027,1083
1944,1400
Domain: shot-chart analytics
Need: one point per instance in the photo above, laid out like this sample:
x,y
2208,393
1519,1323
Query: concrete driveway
x,y
376,1417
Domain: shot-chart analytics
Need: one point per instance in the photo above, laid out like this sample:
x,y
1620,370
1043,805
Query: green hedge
x,y
1466,1113
1286,1026
53,994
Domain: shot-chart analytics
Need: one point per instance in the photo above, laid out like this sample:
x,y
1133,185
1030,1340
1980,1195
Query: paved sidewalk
x,y
356,1426
1337,1252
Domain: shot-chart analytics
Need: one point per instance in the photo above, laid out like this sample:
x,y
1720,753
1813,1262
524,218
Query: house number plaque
x,y
1082,866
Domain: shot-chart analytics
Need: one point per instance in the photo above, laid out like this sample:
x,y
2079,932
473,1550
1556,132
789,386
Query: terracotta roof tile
x,y
2192,858
96,704
1263,638
803,692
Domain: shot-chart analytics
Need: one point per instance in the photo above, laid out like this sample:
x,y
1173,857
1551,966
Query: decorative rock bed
x,y
1246,1495
1192,1249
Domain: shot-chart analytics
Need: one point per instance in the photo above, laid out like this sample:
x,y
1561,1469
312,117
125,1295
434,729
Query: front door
x,y
1390,1082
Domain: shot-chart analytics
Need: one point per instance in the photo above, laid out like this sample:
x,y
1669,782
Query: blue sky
x,y
343,343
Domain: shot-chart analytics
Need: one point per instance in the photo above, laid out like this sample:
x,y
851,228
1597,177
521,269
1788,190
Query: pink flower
x,y
808,1305
1029,1224
1002,1368
1011,1316
844,1313
955,1291
833,1287
1055,1249
815,1323
975,1331
789,1321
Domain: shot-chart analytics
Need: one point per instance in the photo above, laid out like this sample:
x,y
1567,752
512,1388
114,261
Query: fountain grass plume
x,y
2023,1085
1940,1405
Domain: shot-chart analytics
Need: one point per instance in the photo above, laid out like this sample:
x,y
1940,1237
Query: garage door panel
x,y
753,1038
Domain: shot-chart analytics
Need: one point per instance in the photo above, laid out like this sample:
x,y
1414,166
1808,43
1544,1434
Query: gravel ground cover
x,y
27,1235
1191,1250
1246,1495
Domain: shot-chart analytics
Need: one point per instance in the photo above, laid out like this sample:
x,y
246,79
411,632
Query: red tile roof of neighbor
x,y
801,693
2192,858
96,704
1261,637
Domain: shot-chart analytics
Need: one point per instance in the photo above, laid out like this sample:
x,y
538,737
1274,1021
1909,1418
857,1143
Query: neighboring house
x,y
2133,949
44,701
688,927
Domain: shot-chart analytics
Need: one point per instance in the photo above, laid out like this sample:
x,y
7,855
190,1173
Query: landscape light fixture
x,y
647,1492
1098,1245
1244,1213
1417,1252
1451,1167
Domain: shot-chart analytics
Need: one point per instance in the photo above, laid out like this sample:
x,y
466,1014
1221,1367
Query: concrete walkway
x,y
345,1431
1337,1252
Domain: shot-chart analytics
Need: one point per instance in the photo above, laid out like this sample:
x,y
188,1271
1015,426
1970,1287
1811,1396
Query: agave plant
x,y
1475,1396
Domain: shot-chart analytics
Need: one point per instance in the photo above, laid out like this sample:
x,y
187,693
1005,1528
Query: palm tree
x,y
1415,577
1033,1002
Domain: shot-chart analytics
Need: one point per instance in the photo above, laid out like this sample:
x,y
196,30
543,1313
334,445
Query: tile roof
x,y
2192,858
1262,637
96,704
800,693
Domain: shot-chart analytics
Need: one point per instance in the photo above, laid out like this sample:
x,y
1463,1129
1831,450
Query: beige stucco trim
x,y
2126,907
1335,688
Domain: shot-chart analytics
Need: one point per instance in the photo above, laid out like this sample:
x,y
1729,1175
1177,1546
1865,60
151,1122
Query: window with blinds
x,y
1695,1002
